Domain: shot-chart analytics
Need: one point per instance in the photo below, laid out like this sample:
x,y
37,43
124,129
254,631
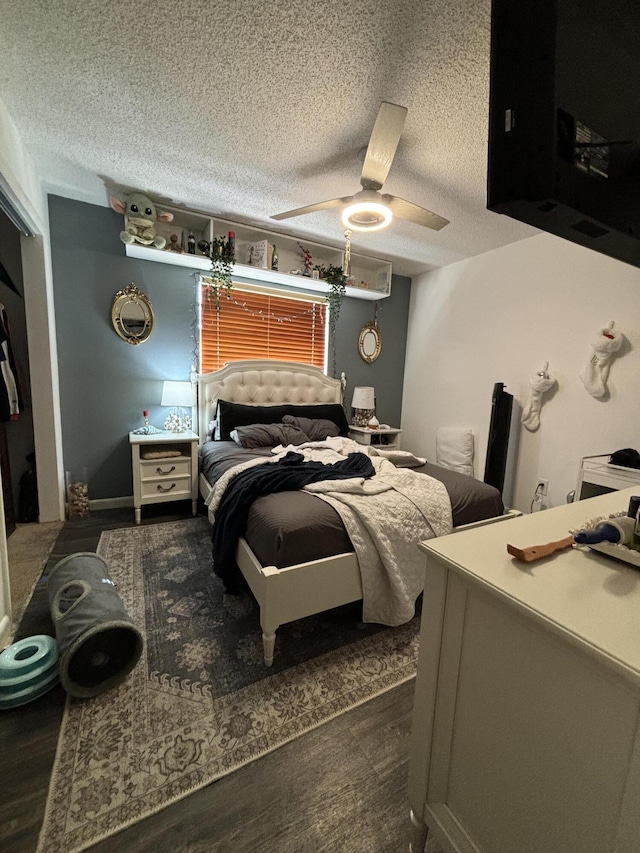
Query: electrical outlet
x,y
542,487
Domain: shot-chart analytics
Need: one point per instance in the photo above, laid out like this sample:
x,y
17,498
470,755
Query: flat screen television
x,y
564,120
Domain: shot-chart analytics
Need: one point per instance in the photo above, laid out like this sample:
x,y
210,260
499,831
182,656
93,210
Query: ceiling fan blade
x,y
382,145
413,212
311,208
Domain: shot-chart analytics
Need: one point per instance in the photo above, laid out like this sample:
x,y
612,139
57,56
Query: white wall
x,y
497,318
18,177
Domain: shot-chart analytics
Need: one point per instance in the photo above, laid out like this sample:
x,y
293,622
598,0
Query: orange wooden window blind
x,y
254,324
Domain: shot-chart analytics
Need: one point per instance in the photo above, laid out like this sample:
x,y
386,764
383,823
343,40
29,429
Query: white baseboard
x,y
5,630
111,503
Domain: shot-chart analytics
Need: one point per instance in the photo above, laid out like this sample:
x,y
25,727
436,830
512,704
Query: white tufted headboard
x,y
262,383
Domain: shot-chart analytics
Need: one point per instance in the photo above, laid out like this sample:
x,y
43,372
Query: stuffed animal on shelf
x,y
142,216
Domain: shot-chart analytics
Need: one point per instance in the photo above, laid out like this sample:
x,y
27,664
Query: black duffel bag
x,y
628,458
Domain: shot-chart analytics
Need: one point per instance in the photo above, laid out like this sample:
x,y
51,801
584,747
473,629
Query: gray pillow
x,y
268,435
316,428
232,415
316,411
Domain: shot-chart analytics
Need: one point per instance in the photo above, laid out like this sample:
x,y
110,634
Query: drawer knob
x,y
170,471
162,488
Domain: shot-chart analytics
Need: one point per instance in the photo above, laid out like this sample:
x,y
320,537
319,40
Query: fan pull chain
x,y
347,253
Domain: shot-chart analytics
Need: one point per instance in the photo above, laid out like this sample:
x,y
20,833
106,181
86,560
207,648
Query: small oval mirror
x,y
370,342
132,315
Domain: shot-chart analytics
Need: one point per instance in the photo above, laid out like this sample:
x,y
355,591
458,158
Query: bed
x,y
295,554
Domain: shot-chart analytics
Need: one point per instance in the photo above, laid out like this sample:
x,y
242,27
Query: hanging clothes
x,y
10,395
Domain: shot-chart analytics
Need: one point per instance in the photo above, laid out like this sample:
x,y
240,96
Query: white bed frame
x,y
283,595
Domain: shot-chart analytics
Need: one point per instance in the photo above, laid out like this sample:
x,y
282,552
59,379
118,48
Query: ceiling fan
x,y
369,209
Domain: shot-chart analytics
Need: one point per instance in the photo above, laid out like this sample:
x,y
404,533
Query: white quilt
x,y
386,516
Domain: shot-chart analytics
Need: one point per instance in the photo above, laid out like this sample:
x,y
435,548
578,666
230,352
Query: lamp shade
x,y
363,397
177,394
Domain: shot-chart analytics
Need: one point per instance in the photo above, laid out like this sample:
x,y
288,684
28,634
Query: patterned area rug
x,y
201,703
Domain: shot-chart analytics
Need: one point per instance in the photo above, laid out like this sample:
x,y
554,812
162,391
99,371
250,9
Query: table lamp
x,y
364,403
179,395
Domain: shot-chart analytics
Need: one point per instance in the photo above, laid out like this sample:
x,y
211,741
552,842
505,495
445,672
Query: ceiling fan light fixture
x,y
366,216
369,209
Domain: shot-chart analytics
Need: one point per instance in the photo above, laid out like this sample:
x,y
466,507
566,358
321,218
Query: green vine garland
x,y
222,261
337,281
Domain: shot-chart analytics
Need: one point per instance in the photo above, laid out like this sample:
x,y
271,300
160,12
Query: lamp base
x,y
362,417
177,421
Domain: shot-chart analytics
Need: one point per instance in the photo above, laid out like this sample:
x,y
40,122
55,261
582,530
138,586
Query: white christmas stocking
x,y
539,383
596,371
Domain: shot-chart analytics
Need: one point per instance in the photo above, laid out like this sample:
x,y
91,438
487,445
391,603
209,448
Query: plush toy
x,y
142,216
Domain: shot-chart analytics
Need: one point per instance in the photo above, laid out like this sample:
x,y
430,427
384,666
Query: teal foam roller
x,y
28,669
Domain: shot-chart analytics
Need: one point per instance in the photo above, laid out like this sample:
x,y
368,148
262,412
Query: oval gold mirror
x,y
370,342
132,315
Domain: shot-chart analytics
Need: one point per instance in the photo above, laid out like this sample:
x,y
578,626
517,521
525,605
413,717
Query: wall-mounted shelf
x,y
370,277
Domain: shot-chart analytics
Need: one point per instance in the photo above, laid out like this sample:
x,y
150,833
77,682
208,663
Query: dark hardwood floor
x,y
341,788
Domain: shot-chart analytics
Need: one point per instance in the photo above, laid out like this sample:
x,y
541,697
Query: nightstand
x,y
386,439
158,477
597,476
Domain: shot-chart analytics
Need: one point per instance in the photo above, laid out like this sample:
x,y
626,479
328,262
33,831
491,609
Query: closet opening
x,y
17,455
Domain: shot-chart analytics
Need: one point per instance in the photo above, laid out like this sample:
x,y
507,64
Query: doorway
x,y
16,421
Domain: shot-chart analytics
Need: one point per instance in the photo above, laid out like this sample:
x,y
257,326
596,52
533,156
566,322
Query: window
x,y
261,323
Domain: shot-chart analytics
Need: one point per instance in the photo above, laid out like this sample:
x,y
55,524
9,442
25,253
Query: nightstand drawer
x,y
177,487
173,466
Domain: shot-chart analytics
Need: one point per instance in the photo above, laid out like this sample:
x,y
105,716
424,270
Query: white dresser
x,y
526,731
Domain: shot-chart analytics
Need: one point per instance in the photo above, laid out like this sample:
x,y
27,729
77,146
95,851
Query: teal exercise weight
x,y
28,669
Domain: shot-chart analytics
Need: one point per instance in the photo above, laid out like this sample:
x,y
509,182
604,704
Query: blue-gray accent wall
x,y
106,383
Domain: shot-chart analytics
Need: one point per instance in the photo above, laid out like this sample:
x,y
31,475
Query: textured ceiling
x,y
246,109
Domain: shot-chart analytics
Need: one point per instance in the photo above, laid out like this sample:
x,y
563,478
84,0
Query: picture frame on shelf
x,y
257,254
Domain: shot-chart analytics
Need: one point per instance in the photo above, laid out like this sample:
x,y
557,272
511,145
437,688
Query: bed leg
x,y
268,644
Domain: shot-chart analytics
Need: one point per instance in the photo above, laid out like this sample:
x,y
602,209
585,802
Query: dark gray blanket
x,y
287,474
287,528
